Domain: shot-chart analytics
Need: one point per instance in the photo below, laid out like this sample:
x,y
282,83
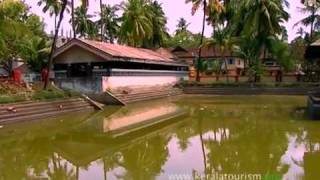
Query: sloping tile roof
x,y
206,52
166,53
123,51
210,52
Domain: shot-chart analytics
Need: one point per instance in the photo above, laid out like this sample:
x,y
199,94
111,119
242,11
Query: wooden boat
x,y
314,106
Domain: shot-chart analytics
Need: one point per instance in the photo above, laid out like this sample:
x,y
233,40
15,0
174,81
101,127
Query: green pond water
x,y
256,137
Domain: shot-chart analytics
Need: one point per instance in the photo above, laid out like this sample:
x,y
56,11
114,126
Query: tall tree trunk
x,y
102,23
201,41
72,17
55,22
53,46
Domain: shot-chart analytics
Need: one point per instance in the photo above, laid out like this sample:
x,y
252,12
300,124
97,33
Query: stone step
x,y
31,104
43,110
150,94
142,92
148,97
145,99
44,106
147,94
43,115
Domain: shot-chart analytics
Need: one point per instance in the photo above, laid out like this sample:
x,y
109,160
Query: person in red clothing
x,y
44,74
16,75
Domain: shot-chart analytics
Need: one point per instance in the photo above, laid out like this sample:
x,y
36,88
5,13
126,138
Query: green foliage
x,y
281,53
159,31
36,51
11,98
19,29
83,23
110,22
182,26
47,95
184,39
136,23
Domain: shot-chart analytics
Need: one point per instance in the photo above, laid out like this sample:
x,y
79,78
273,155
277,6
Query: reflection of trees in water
x,y
144,160
242,139
19,157
61,169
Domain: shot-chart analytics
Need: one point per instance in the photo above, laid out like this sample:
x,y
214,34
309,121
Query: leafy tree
x,y
184,39
36,51
136,23
261,21
182,26
159,30
313,18
63,4
223,40
83,25
212,6
110,22
51,6
17,27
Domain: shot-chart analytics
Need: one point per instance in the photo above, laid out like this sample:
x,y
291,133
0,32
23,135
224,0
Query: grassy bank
x,y
11,93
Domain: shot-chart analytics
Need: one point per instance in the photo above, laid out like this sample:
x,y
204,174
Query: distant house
x,y
235,65
96,67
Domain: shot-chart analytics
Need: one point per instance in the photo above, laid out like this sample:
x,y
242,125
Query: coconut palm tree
x,y
223,40
53,6
110,22
82,22
63,4
159,30
53,46
136,22
72,19
300,32
313,18
182,25
213,5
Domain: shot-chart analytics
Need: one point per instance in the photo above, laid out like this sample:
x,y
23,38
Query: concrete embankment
x,y
28,111
248,91
146,94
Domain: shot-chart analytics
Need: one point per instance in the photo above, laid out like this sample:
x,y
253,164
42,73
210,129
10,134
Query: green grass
x,y
11,98
48,95
38,94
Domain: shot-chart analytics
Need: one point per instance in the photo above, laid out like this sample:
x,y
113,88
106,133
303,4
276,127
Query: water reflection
x,y
194,135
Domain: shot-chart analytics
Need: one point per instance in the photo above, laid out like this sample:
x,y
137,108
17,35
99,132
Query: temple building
x,y
94,67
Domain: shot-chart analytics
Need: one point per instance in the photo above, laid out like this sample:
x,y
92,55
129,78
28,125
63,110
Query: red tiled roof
x,y
166,53
123,51
206,52
210,52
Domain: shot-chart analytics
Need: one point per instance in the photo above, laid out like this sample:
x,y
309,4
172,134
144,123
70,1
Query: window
x,y
230,61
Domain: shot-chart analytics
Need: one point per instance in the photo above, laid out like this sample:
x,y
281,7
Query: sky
x,y
174,9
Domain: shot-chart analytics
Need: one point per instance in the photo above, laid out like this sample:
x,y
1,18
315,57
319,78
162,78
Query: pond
x,y
253,137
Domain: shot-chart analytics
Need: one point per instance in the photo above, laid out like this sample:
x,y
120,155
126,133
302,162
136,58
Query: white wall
x,y
118,82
